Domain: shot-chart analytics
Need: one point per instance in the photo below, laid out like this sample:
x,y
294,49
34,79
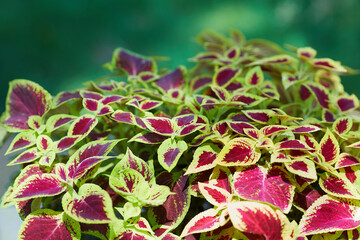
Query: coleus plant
x,y
253,142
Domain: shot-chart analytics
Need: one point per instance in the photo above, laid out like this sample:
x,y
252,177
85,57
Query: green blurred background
x,y
61,44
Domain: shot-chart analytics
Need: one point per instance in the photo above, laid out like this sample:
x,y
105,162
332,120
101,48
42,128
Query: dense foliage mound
x,y
251,143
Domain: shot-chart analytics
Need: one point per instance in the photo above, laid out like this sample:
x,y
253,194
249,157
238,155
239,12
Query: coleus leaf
x,y
279,157
277,59
129,183
327,116
44,143
91,104
131,161
133,64
203,158
98,230
329,148
56,121
22,140
271,186
82,125
342,125
305,198
40,185
292,145
225,76
160,125
172,80
328,64
172,212
320,93
215,195
238,152
66,143
272,129
25,99
247,99
90,205
338,187
305,53
305,129
147,105
328,214
302,167
158,194
85,165
64,97
48,224
124,117
203,222
346,160
200,82
148,138
91,95
260,116
254,76
260,219
169,153
239,127
347,103
253,133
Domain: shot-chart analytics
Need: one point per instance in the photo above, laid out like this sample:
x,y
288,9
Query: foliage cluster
x,y
253,142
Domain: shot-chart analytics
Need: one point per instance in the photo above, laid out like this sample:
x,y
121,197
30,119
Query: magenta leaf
x,y
90,205
82,125
293,145
215,195
347,103
338,187
327,63
272,129
254,77
306,53
48,224
172,212
225,76
203,159
328,214
247,99
148,138
260,219
85,165
172,80
200,82
203,222
346,160
307,197
22,140
238,152
149,104
56,121
255,183
239,127
305,129
260,116
124,117
91,104
66,143
133,64
277,59
342,125
160,125
329,148
25,99
42,185
169,153
320,93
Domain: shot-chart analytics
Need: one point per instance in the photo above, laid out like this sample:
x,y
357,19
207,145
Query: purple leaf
x,y
48,224
148,138
25,99
172,80
272,129
22,140
320,94
149,104
82,125
224,76
66,143
91,104
329,148
46,184
98,230
64,97
200,82
305,129
239,127
90,205
238,152
347,103
124,117
173,210
133,64
293,145
346,160
339,187
57,121
111,99
307,197
329,214
257,218
160,125
169,153
273,187
91,95
328,116
29,155
85,165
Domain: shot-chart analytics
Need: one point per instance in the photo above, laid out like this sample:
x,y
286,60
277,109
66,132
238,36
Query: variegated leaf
x,y
169,153
321,94
82,125
342,125
346,160
347,103
328,214
292,145
276,59
160,125
22,140
254,77
305,129
338,187
274,187
225,76
329,148
306,53
203,158
203,222
215,195
238,152
56,121
239,127
48,224
90,205
148,138
259,219
327,63
272,129
27,156
302,167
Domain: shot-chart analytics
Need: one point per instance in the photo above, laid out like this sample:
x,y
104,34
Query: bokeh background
x,y
60,44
